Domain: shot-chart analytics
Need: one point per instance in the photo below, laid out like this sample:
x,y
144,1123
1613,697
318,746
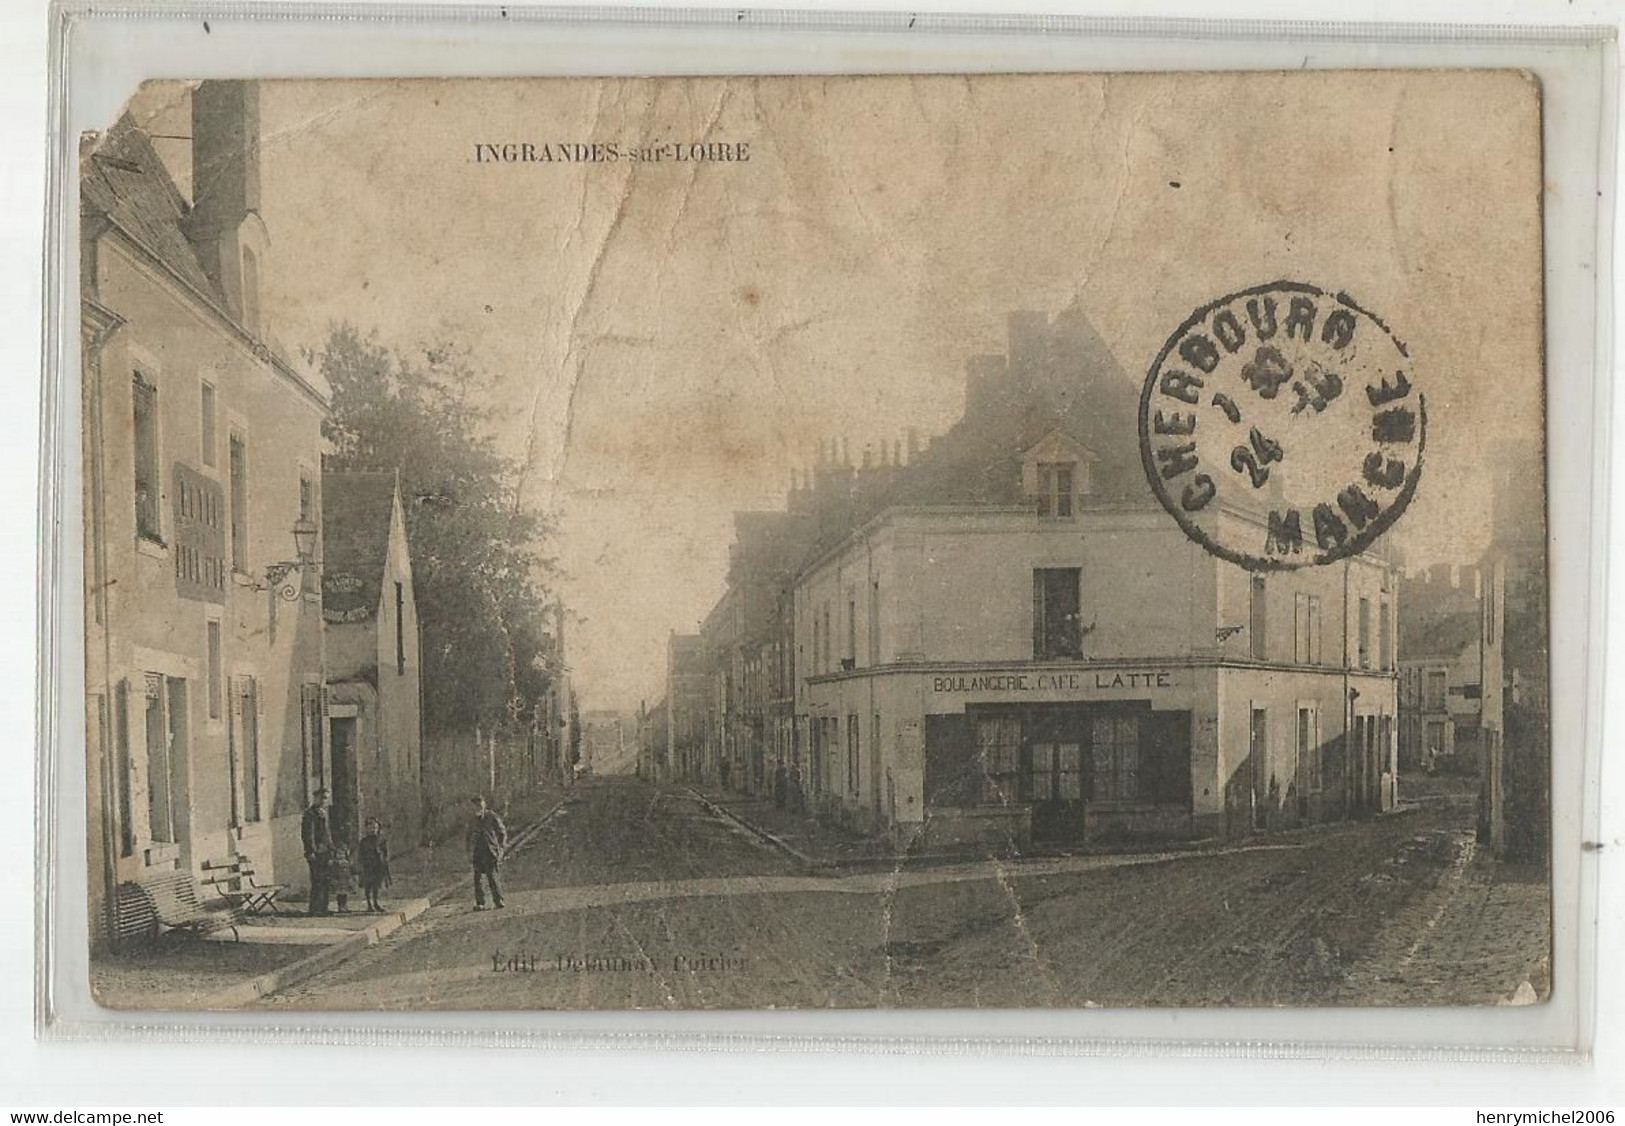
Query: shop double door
x,y
1038,756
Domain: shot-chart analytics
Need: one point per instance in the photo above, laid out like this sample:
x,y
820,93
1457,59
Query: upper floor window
x,y
148,508
1306,629
1055,474
1057,612
1257,618
1385,637
206,423
1055,484
1434,694
874,624
1364,653
307,498
824,664
238,466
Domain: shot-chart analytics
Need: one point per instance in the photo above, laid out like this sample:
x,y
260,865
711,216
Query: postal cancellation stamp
x,y
1288,399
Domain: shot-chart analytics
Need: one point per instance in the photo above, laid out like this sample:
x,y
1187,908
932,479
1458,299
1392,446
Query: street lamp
x,y
304,546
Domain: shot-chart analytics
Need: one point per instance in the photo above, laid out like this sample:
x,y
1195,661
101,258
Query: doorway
x,y
1246,807
1053,762
341,752
168,767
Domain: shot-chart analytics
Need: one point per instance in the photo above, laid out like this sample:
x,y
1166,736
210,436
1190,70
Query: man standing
x,y
318,837
487,837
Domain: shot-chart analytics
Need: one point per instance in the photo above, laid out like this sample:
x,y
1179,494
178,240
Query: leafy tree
x,y
480,574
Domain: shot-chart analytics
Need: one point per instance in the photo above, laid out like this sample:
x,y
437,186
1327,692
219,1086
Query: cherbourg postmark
x,y
1294,404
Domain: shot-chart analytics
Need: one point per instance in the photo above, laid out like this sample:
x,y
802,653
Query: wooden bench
x,y
179,907
232,879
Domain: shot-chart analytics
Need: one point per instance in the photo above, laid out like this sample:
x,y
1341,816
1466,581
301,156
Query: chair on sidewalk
x,y
232,879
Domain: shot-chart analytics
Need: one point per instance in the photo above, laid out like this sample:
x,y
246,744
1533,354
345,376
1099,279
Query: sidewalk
x,y
178,971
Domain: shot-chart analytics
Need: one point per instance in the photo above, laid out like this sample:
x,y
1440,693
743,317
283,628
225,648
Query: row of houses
x,y
251,625
1000,636
1474,696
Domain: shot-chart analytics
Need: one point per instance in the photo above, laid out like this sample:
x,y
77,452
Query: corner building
x,y
204,637
1017,645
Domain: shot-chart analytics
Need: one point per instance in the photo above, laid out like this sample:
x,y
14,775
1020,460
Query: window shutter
x,y
234,747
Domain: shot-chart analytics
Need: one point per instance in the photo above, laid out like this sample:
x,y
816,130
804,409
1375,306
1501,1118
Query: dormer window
x,y
1055,475
1055,483
251,291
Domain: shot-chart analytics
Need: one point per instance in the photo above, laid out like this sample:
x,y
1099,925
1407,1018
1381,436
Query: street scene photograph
x,y
950,541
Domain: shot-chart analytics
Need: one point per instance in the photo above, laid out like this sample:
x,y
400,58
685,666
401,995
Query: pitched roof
x,y
124,179
357,510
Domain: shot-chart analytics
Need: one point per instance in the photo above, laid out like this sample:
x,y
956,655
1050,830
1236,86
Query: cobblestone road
x,y
638,897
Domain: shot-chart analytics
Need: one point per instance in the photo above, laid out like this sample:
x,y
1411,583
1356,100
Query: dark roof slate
x,y
123,179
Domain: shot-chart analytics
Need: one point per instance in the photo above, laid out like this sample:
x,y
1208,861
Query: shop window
x,y
148,487
1055,489
1057,624
998,750
1115,748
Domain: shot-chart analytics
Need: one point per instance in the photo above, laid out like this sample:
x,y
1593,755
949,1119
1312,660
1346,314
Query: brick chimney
x,y
224,225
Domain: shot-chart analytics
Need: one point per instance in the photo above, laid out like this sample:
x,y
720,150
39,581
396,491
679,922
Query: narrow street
x,y
633,896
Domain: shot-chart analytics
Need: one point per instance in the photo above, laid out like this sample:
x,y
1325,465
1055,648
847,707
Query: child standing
x,y
343,877
374,857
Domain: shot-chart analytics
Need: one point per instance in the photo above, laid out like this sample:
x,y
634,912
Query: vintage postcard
x,y
1004,540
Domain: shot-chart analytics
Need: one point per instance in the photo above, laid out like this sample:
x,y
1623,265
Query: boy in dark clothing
x,y
373,854
487,837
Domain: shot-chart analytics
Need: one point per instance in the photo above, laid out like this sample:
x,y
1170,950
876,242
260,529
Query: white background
x,y
136,1076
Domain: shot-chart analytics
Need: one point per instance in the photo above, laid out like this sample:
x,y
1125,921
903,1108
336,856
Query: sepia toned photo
x,y
943,541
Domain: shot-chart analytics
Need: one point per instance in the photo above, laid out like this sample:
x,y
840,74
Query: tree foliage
x,y
479,574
